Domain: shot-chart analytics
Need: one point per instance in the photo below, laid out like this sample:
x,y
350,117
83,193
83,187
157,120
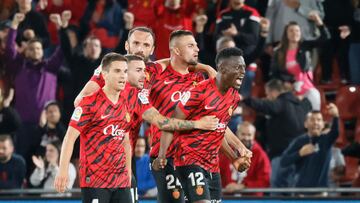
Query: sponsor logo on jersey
x,y
114,131
183,97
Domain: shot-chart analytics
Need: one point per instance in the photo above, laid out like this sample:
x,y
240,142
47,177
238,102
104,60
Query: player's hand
x,y
61,181
38,161
207,123
159,163
65,18
307,150
18,18
333,110
243,151
242,163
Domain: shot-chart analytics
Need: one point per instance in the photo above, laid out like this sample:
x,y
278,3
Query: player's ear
x,y
176,51
127,46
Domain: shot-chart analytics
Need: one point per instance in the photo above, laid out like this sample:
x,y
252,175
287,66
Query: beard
x,y
248,144
192,62
3,158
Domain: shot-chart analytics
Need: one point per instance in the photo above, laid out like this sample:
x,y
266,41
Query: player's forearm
x,y
227,150
165,141
205,68
88,89
66,152
232,139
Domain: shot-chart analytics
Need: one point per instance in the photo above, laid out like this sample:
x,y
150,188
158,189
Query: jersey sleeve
x,y
98,78
82,115
142,102
190,101
152,69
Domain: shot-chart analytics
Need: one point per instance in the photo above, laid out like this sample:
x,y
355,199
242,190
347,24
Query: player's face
x,y
53,114
116,77
92,49
140,148
246,135
51,154
34,51
314,124
188,49
141,44
6,150
136,74
233,71
293,33
236,4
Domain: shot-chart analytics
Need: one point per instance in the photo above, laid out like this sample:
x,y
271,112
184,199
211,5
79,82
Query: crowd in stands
x,y
300,107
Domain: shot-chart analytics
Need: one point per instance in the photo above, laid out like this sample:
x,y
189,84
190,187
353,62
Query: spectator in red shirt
x,y
171,15
258,175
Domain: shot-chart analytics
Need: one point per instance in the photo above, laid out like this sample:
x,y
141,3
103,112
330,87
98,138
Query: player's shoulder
x,y
97,71
91,98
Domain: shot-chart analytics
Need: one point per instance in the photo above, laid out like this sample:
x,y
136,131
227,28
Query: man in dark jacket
x,y
286,115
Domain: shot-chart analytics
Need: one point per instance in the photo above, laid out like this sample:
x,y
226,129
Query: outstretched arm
x,y
88,89
171,124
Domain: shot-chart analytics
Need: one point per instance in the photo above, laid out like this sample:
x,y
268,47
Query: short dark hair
x,y
33,40
51,103
179,33
142,29
275,84
109,58
222,40
227,53
4,137
133,57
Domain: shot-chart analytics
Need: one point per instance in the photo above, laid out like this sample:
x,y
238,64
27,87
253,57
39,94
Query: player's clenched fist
x,y
61,181
242,163
159,163
207,123
18,18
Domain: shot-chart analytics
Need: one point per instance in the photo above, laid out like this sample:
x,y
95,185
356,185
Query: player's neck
x,y
111,94
179,66
220,85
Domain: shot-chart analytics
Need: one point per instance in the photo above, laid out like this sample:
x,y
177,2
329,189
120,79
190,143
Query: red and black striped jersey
x,y
168,89
102,126
199,147
151,70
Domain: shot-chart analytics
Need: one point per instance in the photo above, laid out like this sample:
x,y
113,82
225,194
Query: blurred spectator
x,y
12,166
351,32
337,167
9,118
294,56
281,12
143,11
281,109
171,15
311,152
7,7
337,13
33,25
103,19
82,65
258,175
47,7
240,22
145,180
44,174
35,83
50,127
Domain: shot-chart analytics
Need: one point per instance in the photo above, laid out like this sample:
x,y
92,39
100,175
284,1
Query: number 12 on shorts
x,y
196,178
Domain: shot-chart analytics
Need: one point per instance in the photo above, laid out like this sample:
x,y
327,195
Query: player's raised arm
x,y
171,124
62,177
235,143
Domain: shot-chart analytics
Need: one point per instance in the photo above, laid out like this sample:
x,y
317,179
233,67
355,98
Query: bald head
x,y
246,133
183,47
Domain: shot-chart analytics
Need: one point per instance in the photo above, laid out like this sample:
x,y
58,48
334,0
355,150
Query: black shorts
x,y
199,184
133,189
106,195
168,185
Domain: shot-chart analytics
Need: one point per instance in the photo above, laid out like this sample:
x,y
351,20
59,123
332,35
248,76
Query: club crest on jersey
x,y
183,97
77,114
194,83
144,96
147,76
231,110
128,117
